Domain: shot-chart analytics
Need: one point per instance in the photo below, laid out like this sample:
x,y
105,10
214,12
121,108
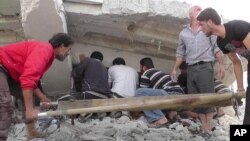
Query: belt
x,y
198,63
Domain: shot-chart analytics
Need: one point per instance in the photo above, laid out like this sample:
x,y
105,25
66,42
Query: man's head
x,y
146,63
119,61
82,57
194,11
97,55
62,44
208,18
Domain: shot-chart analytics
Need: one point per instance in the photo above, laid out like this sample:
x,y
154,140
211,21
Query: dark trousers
x,y
6,108
200,79
246,120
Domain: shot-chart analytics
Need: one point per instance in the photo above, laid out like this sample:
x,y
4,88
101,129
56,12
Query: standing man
x,y
233,38
199,52
154,82
26,62
123,79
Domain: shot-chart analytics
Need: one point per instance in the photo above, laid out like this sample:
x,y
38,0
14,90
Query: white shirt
x,y
123,79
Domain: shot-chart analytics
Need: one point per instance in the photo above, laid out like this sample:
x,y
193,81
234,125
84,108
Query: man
x,y
122,78
26,62
233,38
91,80
199,52
154,82
219,88
91,75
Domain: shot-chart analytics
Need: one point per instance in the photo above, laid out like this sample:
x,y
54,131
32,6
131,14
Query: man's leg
x,y
209,118
205,83
152,115
6,107
191,86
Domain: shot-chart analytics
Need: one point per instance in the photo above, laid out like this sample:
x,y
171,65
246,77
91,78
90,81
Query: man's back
x,y
27,58
124,80
93,75
153,78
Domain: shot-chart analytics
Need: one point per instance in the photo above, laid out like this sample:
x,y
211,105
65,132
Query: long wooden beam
x,y
144,103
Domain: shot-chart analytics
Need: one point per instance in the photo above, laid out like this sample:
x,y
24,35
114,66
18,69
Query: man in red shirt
x,y
26,62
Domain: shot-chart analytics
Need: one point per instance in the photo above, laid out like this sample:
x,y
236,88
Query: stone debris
x,y
124,129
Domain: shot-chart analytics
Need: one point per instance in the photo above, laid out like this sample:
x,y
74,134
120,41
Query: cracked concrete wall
x,y
109,54
10,24
153,7
41,19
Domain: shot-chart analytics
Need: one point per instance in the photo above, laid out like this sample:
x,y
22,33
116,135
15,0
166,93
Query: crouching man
x,y
26,62
154,82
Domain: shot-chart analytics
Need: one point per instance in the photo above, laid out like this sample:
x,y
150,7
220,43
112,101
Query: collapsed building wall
x,y
132,29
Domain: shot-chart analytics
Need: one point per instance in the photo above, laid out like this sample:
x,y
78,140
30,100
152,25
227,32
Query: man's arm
x,y
180,53
246,41
220,57
43,99
238,71
30,112
177,64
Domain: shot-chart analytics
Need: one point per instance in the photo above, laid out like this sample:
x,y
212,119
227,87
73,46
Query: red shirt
x,y
27,61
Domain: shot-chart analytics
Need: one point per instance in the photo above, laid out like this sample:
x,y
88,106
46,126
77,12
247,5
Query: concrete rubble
x,y
124,129
129,28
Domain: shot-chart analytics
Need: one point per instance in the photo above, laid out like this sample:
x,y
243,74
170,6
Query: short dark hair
x,y
209,14
97,55
119,61
61,38
148,62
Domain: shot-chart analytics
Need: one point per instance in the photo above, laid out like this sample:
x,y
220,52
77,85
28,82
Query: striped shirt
x,y
196,47
219,87
156,79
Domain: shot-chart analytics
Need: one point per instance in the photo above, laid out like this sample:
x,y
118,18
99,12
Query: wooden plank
x,y
144,103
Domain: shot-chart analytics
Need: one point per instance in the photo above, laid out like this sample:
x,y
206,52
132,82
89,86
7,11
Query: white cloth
x,y
123,79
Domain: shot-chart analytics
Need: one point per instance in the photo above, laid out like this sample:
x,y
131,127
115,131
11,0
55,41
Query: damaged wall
x,y
10,22
132,29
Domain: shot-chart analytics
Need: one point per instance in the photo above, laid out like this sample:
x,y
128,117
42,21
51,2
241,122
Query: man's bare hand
x,y
45,102
221,72
173,76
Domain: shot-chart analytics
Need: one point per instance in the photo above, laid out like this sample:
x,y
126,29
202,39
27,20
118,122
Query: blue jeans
x,y
152,115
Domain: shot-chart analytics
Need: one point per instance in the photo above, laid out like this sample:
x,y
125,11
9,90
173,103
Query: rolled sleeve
x,y
181,49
